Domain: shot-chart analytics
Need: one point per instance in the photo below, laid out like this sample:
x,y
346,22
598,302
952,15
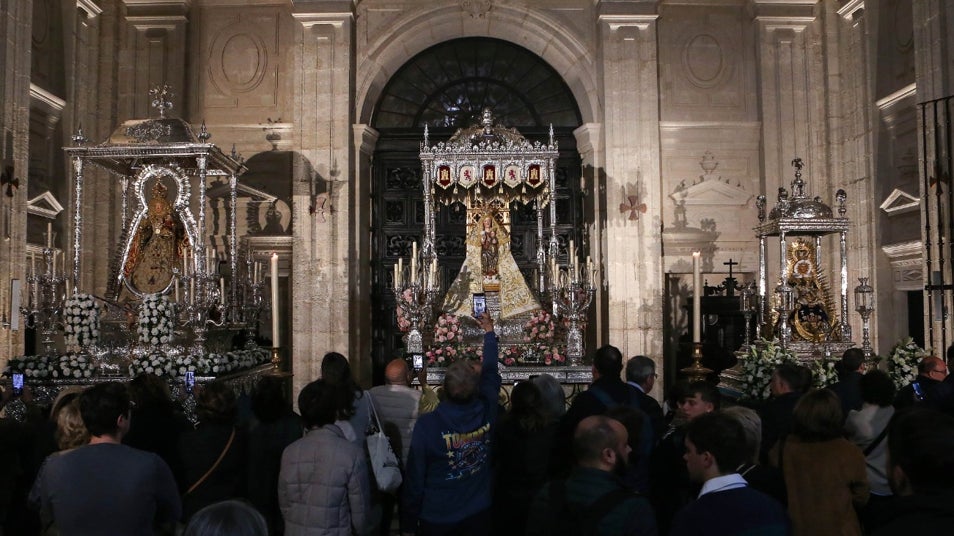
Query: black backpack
x,y
574,519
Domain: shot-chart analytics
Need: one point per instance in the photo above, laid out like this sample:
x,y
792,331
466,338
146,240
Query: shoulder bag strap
x,y
877,441
374,413
214,465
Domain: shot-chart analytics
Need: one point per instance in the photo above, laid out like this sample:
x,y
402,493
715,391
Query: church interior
x,y
697,156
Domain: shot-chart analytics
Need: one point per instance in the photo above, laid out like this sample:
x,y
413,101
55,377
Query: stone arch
x,y
535,31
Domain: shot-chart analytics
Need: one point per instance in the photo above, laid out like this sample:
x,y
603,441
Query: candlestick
x,y
696,298
275,309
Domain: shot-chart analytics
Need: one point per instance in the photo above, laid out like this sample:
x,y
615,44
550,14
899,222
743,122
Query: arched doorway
x,y
446,87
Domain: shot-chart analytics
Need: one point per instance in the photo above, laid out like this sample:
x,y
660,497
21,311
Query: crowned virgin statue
x,y
490,268
155,246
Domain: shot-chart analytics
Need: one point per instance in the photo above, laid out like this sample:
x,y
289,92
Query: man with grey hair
x,y
641,375
447,484
764,478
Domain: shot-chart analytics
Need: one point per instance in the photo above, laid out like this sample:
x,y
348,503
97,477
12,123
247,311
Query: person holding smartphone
x,y
926,388
447,484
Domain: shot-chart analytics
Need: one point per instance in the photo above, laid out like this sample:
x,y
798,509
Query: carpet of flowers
x,y
903,362
156,320
213,364
78,366
80,321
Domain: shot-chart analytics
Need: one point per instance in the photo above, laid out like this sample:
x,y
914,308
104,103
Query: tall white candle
x,y
49,235
275,309
222,290
33,264
414,262
400,271
397,284
696,298
176,284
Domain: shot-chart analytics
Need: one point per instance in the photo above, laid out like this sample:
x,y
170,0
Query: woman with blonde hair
x,y
70,430
825,474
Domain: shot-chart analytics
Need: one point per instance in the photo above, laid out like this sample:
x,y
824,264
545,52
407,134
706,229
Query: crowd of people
x,y
854,459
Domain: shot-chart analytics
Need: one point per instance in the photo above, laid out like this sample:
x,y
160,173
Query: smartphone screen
x,y
17,383
189,381
918,392
418,361
480,304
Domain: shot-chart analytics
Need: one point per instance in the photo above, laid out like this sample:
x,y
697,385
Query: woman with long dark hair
x,y
352,404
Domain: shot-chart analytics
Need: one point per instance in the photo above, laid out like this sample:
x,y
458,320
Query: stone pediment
x,y
900,202
711,191
44,205
241,190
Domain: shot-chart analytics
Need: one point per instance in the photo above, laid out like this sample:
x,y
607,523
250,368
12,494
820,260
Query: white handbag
x,y
384,464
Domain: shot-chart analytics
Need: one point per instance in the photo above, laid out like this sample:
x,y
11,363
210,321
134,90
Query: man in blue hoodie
x,y
447,486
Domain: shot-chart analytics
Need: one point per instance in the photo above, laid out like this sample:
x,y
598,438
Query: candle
x,y
33,264
49,235
222,290
414,263
192,291
400,269
396,282
274,282
696,298
177,289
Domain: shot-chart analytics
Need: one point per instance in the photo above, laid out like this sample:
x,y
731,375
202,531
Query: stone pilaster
x,y
15,47
632,258
786,74
324,257
589,144
365,139
153,53
850,93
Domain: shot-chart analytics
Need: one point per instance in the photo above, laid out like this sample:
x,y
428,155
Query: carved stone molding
x,y
900,202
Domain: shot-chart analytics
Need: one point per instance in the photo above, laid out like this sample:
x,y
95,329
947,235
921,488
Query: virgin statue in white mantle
x,y
490,268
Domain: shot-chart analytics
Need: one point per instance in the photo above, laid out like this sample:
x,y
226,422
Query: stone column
x,y
851,94
627,37
934,76
153,53
324,254
15,47
83,54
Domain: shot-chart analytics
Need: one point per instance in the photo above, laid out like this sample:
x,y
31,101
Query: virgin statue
x,y
489,268
155,246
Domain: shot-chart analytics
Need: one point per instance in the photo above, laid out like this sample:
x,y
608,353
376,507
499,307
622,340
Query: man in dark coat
x,y
927,388
848,387
641,376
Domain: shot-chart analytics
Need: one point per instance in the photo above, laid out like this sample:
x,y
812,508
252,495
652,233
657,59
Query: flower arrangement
x,y
758,364
80,320
443,355
903,362
156,320
539,328
43,367
824,373
403,323
447,328
212,364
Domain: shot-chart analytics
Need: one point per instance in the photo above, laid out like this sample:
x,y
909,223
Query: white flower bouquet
x,y
80,321
213,364
44,368
903,362
156,320
757,366
824,373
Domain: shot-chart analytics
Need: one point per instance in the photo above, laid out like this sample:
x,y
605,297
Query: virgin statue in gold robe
x,y
156,245
489,268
